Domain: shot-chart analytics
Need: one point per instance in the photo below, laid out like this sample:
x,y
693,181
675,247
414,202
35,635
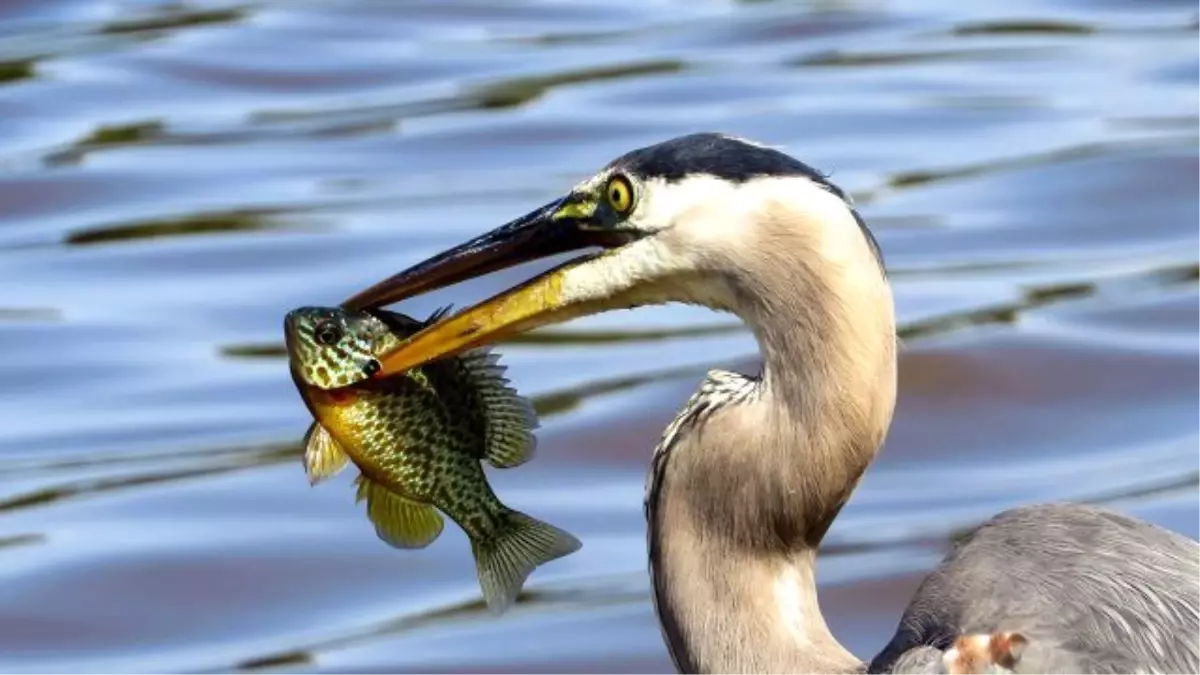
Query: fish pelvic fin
x,y
323,457
509,417
399,522
519,545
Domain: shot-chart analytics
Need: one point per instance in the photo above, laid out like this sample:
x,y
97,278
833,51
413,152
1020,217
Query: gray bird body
x,y
748,479
1111,594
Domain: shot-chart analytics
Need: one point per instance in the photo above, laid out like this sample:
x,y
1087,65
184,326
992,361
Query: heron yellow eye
x,y
619,194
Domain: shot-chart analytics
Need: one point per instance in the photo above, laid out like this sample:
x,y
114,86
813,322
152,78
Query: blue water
x,y
176,176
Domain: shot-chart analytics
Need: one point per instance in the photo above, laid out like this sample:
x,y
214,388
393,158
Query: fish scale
x,y
419,440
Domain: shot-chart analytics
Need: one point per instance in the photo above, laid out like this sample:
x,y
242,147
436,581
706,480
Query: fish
x,y
419,440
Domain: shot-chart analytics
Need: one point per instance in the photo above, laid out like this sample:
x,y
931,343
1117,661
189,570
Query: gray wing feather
x,y
920,661
1111,594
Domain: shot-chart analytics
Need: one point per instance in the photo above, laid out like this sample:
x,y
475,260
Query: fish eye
x,y
328,333
372,367
619,193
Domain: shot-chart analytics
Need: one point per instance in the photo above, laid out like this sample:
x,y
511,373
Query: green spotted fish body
x,y
419,440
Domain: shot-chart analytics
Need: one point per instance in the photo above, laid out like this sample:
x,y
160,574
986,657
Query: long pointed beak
x,y
538,234
555,228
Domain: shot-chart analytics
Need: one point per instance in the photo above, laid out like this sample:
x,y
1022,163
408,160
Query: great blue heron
x,y
749,477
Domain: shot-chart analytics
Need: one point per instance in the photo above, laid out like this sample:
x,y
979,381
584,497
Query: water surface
x,y
176,176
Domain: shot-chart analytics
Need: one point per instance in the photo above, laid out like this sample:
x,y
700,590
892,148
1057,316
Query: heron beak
x,y
558,227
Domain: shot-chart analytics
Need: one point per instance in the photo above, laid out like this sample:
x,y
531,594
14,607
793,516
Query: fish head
x,y
332,347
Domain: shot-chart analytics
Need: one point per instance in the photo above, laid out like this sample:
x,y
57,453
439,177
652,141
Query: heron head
x,y
682,220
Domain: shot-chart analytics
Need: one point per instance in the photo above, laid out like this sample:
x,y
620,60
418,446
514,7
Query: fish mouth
x,y
564,225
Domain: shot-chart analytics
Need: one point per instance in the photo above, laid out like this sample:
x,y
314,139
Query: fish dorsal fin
x,y
397,322
406,325
509,418
400,522
438,314
323,457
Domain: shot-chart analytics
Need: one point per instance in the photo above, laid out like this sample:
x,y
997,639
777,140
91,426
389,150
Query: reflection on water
x,y
175,176
188,225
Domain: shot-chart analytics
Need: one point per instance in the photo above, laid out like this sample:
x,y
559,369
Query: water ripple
x,y
175,176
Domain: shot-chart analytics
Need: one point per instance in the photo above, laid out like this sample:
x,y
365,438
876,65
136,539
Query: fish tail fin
x,y
519,545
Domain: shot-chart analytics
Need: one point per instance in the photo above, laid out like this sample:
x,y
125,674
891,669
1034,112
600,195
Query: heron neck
x,y
748,493
728,611
735,524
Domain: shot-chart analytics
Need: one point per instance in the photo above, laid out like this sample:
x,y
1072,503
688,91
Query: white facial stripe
x,y
709,210
701,200
622,270
703,218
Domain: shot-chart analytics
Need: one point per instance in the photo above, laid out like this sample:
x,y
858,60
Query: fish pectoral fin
x,y
519,545
400,522
510,418
323,457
